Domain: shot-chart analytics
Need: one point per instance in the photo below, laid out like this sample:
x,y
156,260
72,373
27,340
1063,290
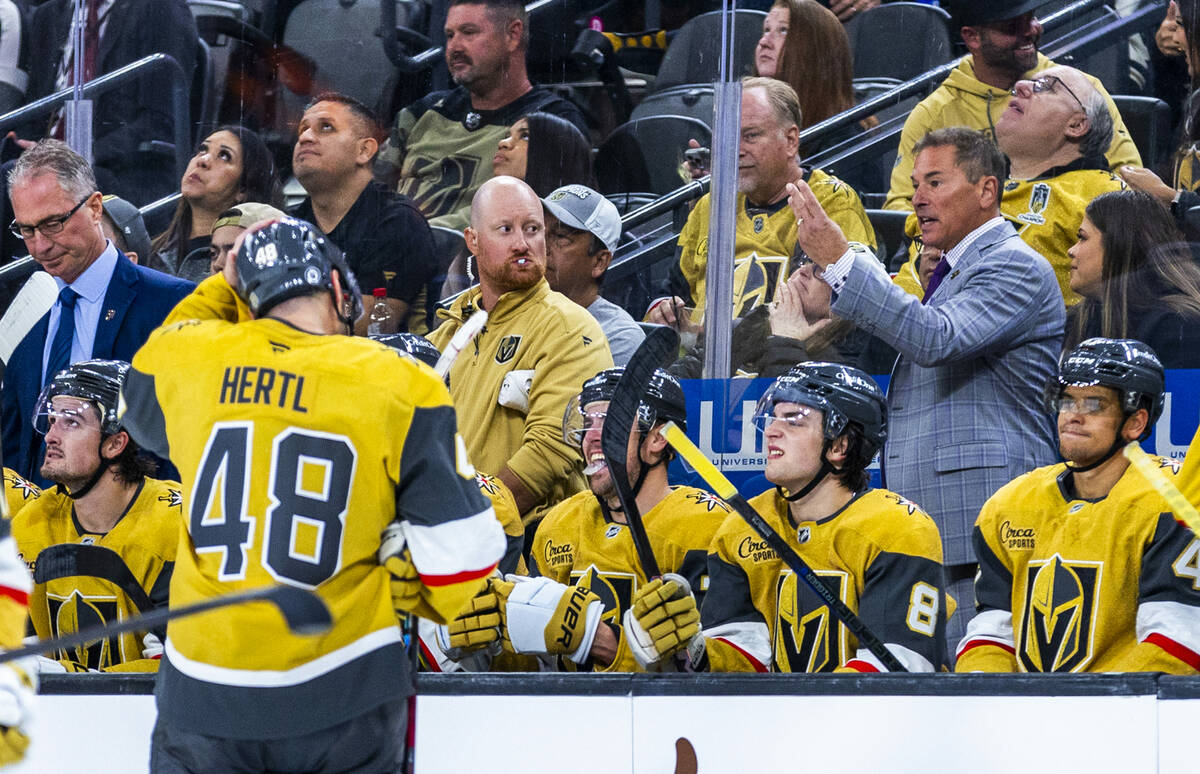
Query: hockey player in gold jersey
x,y
18,491
822,424
101,544
1082,566
584,548
310,459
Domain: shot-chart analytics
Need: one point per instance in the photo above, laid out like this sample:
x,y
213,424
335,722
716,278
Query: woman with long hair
x,y
1137,278
232,165
546,152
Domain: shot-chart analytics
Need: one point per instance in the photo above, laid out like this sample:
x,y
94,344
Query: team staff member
x,y
1082,566
286,483
101,544
513,383
822,424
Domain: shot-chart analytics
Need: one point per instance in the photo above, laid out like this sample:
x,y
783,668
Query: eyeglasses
x,y
1082,406
1046,84
794,418
48,227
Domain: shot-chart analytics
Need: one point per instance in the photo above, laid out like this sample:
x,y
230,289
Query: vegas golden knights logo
x,y
1059,616
754,281
507,349
1039,197
807,637
615,590
78,612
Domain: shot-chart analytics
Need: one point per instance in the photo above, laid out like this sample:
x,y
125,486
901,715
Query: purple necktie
x,y
939,273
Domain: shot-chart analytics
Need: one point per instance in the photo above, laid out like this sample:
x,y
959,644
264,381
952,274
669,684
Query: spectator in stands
x,y
1137,279
384,237
441,148
126,119
582,232
107,305
1001,37
965,395
545,151
104,539
231,165
768,159
124,227
512,386
230,224
1054,132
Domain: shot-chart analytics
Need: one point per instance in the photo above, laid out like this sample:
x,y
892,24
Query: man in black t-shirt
x,y
441,149
385,237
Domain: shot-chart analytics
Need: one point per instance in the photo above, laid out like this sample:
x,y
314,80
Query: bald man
x,y
512,386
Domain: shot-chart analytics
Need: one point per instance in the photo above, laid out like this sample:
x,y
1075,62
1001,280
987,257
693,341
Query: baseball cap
x,y
968,13
246,215
128,220
580,207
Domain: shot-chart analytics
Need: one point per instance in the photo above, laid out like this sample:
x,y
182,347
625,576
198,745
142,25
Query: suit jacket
x,y
137,301
132,114
966,398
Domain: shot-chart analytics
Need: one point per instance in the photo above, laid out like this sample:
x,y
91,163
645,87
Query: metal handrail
x,y
180,100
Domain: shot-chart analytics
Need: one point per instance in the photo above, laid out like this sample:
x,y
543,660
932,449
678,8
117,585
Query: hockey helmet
x,y
662,400
411,344
289,258
96,381
843,394
1126,365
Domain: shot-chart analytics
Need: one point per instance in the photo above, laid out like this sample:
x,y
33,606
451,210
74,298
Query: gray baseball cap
x,y
580,207
128,220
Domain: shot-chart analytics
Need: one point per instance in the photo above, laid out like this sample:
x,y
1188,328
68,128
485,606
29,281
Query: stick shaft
x,y
1163,485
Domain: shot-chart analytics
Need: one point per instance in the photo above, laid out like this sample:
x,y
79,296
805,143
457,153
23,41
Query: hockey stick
x,y
729,493
460,339
1164,486
303,611
661,344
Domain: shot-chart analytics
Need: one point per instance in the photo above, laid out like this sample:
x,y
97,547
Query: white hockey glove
x,y
18,687
662,621
151,646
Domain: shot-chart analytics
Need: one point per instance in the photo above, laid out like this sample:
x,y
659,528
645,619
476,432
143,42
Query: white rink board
x,y
1178,730
92,734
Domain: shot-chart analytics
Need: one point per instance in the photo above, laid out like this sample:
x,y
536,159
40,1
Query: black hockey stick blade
x,y
729,493
659,349
303,611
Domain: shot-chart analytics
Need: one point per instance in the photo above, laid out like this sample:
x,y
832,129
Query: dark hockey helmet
x,y
662,400
843,394
1126,365
411,344
289,258
96,381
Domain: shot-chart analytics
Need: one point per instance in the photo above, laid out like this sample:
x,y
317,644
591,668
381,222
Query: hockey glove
x,y
545,617
18,686
477,626
662,621
397,560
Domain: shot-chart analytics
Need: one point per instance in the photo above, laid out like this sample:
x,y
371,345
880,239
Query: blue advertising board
x,y
720,412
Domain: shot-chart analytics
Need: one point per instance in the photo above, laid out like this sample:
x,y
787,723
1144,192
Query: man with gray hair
x,y
1054,131
106,306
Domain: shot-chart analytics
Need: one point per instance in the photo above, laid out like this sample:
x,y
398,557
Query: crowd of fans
x,y
1045,283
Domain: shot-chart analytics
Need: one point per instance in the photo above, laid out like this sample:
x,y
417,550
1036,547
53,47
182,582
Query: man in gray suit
x,y
966,393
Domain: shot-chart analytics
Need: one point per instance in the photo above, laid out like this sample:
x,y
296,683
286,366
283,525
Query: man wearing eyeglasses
x,y
107,305
1001,38
1054,132
1082,565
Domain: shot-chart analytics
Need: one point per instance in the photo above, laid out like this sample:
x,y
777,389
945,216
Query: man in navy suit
x,y
966,398
107,305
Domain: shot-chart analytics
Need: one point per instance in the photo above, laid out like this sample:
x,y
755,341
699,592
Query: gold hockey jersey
x,y
765,242
881,552
1071,585
17,491
297,450
85,579
579,544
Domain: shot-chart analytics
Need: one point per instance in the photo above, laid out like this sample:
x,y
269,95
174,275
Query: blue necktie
x,y
60,350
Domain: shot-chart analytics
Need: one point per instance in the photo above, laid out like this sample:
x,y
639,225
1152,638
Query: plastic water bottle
x,y
382,319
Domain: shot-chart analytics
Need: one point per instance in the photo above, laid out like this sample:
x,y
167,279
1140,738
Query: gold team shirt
x,y
18,492
86,579
881,552
765,241
578,543
1072,585
296,451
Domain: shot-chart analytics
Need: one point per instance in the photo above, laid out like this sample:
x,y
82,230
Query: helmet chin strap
x,y
824,471
101,469
338,305
644,468
1117,446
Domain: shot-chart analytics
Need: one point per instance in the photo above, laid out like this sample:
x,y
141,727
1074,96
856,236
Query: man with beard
x,y
442,145
512,385
1001,37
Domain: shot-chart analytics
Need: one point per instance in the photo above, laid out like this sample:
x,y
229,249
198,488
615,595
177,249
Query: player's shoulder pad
x,y
569,510
894,523
165,491
700,500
